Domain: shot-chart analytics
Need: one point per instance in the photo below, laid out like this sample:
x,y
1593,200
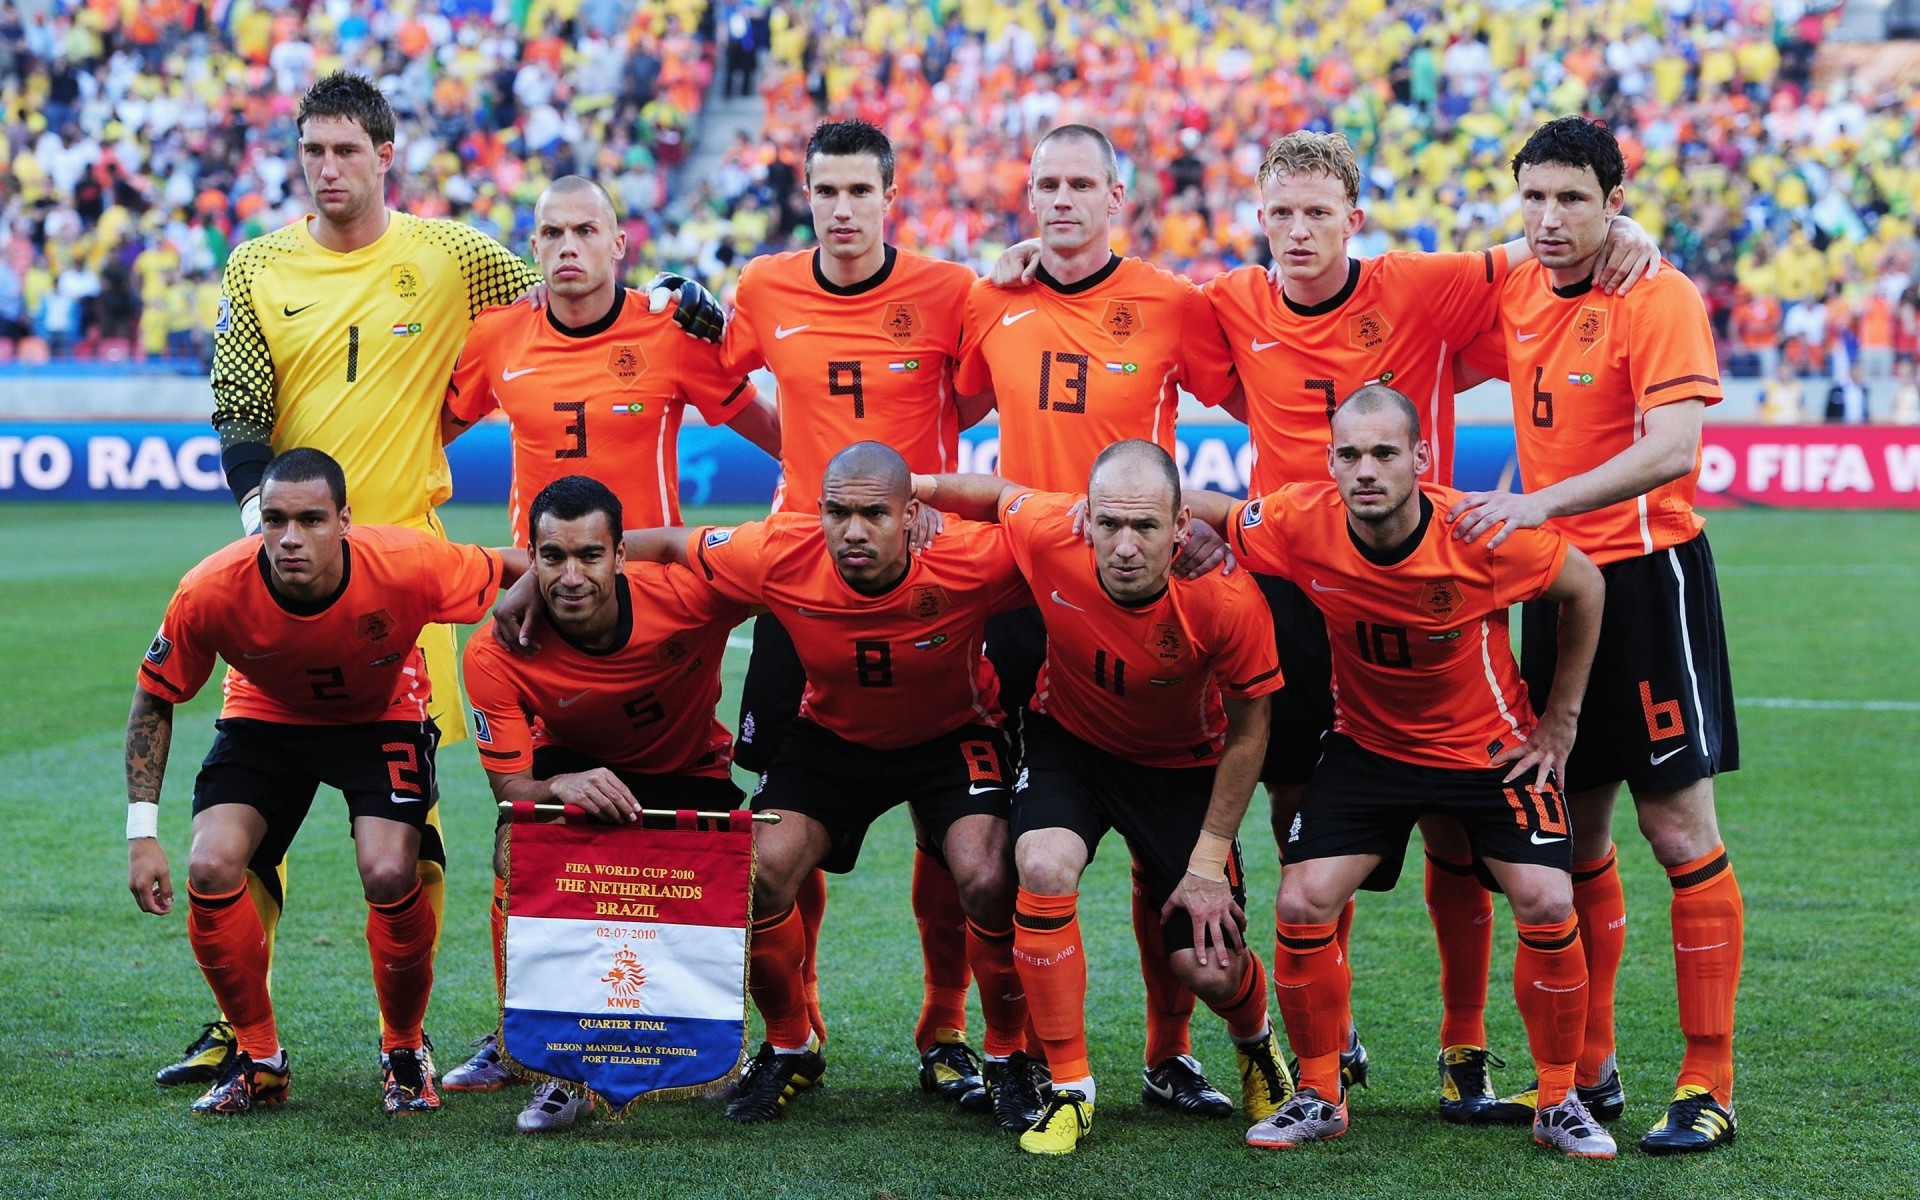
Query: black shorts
x,y
652,791
384,769
1067,784
1016,646
769,696
846,786
1359,802
1659,708
1302,711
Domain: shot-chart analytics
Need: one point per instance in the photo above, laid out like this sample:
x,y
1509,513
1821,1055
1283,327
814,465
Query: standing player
x,y
1609,393
325,685
1431,716
1095,354
1149,717
614,712
861,339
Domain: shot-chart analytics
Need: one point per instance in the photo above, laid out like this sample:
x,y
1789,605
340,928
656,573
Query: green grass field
x,y
1822,823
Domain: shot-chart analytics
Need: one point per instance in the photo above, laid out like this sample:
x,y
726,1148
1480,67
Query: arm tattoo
x,y
149,738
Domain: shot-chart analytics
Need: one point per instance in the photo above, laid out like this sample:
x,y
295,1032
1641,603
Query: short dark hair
x,y
346,94
571,497
1139,451
568,185
1373,397
837,138
303,464
1576,142
1085,133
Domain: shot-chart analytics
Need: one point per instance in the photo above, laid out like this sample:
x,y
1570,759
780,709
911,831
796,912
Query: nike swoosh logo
x,y
1165,1093
1259,345
1698,949
507,376
294,312
574,699
251,657
781,334
1657,759
1059,599
810,612
1543,987
1318,588
981,789
1525,337
397,798
1010,318
1544,841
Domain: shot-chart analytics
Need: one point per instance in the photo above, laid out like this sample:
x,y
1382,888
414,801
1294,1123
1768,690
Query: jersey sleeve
x,y
494,274
1488,353
731,561
1527,563
179,660
972,375
1461,291
1025,515
501,731
990,548
700,603
470,393
718,393
465,578
1670,355
1253,529
740,349
1206,365
244,387
1246,661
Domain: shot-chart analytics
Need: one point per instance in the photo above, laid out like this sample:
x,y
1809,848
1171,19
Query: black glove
x,y
698,314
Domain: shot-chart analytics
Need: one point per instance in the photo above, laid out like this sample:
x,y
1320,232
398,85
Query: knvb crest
x,y
626,363
1368,331
1167,642
1122,320
625,979
1441,598
900,322
926,602
1590,326
404,281
375,626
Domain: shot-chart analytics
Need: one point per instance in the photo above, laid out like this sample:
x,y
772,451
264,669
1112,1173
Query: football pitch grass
x,y
1823,823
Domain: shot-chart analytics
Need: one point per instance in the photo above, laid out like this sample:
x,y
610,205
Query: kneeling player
x,y
1430,717
325,685
1149,717
614,712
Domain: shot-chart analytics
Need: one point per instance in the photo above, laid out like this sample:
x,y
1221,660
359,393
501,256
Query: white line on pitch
x,y
1829,705
739,643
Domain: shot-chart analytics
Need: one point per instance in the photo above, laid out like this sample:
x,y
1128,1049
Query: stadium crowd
x,y
140,140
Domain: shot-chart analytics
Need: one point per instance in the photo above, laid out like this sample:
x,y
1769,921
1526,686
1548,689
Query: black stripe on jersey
x,y
735,393
701,550
1676,382
1083,285
486,753
1487,256
158,680
496,577
1262,677
854,289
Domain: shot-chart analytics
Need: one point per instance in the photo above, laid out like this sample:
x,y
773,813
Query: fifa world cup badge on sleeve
x,y
626,953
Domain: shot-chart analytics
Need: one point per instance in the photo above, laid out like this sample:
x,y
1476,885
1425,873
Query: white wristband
x,y
143,819
250,515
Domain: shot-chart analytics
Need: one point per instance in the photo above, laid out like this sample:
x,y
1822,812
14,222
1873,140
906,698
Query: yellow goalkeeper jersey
x,y
351,353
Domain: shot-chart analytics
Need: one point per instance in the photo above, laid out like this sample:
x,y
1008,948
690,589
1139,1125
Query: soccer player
x,y
614,712
1430,715
861,339
900,705
1094,354
325,684
1149,717
1609,393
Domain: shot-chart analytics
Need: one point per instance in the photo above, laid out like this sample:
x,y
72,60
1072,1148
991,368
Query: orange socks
x,y
812,905
1053,968
400,942
1313,985
776,978
1246,1013
1462,915
1709,929
1601,906
944,948
1003,1000
1169,1000
1550,988
497,921
230,945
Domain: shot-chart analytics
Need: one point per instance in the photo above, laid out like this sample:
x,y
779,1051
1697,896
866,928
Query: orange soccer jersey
x,y
603,400
1144,683
644,705
1399,320
1423,668
1585,369
1077,367
872,362
346,661
883,671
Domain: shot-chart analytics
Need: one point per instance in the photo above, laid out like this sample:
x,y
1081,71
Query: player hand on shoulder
x,y
1498,512
148,876
534,297
1217,920
598,793
1629,255
698,313
516,617
1016,265
926,526
1203,550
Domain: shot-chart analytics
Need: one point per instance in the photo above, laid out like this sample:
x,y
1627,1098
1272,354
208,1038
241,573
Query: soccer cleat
x,y
1517,1109
1067,1119
950,1069
1305,1118
1353,1063
1569,1128
1465,1090
1695,1121
1605,1099
1014,1087
1178,1084
407,1080
552,1109
1264,1084
771,1081
484,1072
205,1060
245,1085
763,1058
